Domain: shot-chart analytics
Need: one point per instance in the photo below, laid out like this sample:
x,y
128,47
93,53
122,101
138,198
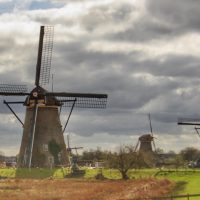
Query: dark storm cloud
x,y
18,59
83,69
13,128
86,71
142,28
115,124
172,65
75,57
162,20
182,14
10,138
102,15
44,18
6,43
142,31
11,131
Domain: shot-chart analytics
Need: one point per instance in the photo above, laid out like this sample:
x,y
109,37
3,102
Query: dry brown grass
x,y
27,189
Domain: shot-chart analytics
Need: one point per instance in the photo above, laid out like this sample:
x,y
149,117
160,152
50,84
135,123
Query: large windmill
x,y
43,141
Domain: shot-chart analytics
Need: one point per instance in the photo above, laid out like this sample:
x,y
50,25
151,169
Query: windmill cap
x,y
146,138
38,93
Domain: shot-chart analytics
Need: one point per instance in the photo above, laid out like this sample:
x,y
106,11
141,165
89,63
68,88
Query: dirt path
x,y
27,189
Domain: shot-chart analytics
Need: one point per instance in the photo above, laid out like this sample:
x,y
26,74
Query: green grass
x,y
8,172
33,173
187,181
61,172
143,173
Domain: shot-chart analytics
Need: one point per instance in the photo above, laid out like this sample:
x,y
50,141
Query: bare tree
x,y
123,160
190,153
179,162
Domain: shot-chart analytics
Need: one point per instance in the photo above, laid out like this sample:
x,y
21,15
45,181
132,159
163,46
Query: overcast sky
x,y
143,53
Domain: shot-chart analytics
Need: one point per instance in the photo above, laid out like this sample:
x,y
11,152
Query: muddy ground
x,y
68,189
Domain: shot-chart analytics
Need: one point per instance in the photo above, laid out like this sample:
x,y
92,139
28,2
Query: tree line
x,y
125,158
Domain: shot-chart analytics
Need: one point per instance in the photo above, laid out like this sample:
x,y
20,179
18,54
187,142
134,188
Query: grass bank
x,y
187,181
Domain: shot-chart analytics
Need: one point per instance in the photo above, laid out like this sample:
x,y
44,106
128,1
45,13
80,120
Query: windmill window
x,y
45,147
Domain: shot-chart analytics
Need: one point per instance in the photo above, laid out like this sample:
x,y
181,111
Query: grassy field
x,y
33,173
82,189
187,181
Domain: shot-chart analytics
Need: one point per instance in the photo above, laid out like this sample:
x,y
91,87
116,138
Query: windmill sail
x,y
188,121
13,90
151,129
197,128
150,124
44,55
83,100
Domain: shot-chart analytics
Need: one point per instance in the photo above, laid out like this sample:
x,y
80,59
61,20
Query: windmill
x,y
145,145
69,149
73,159
43,142
146,142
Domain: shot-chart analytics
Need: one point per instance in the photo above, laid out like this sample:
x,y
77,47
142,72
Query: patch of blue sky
x,y
35,5
6,7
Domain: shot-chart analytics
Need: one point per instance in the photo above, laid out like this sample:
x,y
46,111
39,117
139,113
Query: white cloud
x,y
21,5
184,45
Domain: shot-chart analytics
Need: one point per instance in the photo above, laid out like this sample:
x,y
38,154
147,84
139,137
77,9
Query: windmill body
x,y
145,152
145,147
147,140
146,143
73,159
43,142
47,128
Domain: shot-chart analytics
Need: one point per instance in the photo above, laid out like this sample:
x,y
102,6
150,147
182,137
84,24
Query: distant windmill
x,y
146,141
69,148
145,145
43,141
72,158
